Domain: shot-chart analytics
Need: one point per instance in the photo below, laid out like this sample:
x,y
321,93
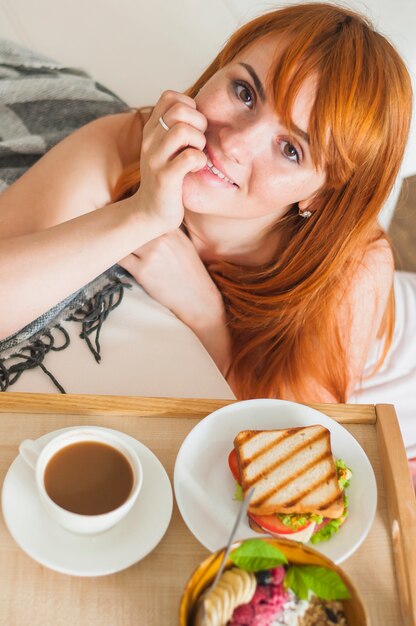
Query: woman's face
x,y
259,170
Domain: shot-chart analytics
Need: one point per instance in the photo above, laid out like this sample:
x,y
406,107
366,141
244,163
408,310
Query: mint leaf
x,y
293,580
238,493
323,582
254,555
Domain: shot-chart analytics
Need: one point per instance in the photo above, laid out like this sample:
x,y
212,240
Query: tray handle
x,y
401,507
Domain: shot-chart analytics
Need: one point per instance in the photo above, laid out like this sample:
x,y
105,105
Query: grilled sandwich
x,y
293,471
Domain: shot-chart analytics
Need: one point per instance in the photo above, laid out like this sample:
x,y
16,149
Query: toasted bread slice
x,y
293,471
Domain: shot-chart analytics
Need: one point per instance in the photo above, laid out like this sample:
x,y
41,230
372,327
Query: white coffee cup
x,y
37,456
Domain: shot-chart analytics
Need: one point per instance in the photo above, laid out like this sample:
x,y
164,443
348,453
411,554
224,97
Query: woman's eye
x,y
289,151
244,92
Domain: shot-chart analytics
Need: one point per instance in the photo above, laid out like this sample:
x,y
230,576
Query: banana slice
x,y
216,606
227,600
212,610
216,611
249,585
235,587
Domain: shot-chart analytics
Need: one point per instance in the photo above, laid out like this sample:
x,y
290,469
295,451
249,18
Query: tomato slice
x,y
273,524
233,463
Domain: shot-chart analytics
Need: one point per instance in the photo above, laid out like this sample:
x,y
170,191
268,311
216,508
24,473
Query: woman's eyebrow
x,y
301,133
260,90
257,82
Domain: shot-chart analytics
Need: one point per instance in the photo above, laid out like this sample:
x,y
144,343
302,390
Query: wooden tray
x,y
148,593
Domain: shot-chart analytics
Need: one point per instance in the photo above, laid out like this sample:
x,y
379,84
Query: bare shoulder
x,y
75,177
122,132
364,303
111,142
374,273
366,293
378,252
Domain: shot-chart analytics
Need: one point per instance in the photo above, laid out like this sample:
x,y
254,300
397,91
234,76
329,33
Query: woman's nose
x,y
241,141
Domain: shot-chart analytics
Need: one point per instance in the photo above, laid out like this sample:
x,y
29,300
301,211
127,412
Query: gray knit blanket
x,y
40,103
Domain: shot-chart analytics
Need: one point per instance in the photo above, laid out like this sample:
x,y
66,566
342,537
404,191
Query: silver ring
x,y
163,123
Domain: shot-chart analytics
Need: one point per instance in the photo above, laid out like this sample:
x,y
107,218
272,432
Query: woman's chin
x,y
195,198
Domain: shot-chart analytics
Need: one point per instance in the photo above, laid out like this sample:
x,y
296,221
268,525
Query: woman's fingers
x,y
169,177
180,137
167,156
186,128
190,160
183,112
173,108
175,101
178,150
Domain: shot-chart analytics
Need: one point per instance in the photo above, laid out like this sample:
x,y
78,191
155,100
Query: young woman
x,y
247,206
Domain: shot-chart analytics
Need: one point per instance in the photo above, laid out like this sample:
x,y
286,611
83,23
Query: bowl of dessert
x,y
271,582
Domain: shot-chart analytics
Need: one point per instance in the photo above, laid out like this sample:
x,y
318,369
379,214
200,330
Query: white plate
x,y
204,486
121,546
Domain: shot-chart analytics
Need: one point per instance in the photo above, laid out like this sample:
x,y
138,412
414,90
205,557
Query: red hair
x,y
282,315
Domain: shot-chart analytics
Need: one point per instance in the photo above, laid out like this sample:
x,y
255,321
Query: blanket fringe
x,y
91,314
94,313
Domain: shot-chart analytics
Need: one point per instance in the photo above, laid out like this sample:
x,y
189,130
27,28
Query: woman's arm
x,y
40,269
53,238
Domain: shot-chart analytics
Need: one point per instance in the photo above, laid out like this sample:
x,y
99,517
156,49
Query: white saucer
x,y
121,546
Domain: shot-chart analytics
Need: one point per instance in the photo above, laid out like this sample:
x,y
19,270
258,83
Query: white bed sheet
x,y
146,351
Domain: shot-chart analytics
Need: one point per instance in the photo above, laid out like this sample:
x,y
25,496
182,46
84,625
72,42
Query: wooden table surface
x,y
148,593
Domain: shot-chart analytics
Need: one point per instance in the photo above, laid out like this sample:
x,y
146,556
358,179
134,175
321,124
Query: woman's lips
x,y
216,171
210,177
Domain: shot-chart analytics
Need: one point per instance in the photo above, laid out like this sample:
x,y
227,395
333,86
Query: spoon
x,y
200,618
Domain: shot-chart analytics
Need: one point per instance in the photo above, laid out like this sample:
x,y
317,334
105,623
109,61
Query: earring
x,y
305,213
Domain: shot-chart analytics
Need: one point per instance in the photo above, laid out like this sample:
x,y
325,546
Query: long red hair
x,y
283,316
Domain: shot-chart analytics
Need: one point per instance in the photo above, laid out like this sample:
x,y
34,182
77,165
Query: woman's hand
x,y
168,155
170,270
